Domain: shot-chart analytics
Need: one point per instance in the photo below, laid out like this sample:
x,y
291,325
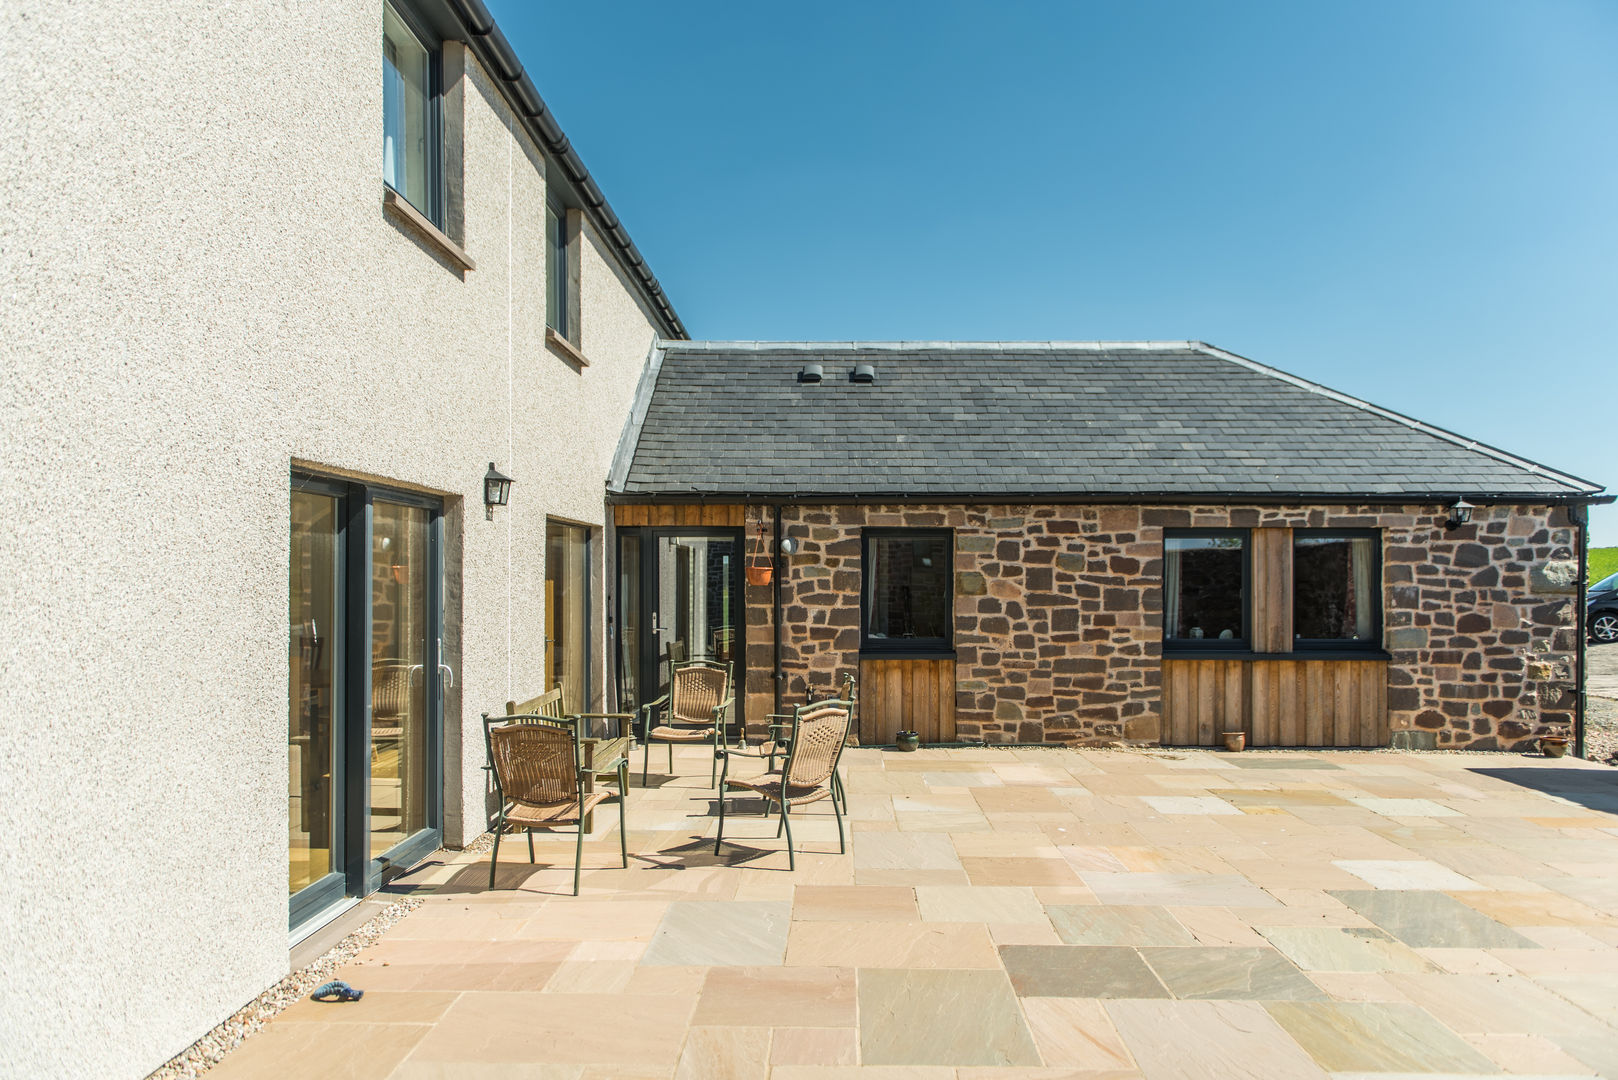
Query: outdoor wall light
x,y
1460,512
496,490
788,545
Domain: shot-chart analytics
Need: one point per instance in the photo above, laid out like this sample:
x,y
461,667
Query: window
x,y
559,306
411,139
1336,589
1205,589
908,599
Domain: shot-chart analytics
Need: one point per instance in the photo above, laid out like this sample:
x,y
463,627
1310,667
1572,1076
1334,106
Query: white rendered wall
x,y
201,288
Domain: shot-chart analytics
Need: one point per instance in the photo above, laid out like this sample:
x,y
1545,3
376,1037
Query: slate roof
x,y
1043,419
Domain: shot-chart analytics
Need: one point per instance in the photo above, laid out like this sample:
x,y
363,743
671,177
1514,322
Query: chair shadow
x,y
1586,787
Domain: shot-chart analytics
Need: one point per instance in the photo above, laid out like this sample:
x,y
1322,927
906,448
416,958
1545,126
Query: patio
x,y
1030,913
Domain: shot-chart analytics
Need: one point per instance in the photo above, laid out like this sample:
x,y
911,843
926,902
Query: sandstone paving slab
x,y
1213,1040
1189,804
1347,949
766,996
892,945
1376,1038
1421,918
902,851
1404,808
514,1028
941,1017
1596,994
1236,974
1078,924
702,932
1491,1004
1288,762
984,904
361,1051
738,1053
814,1046
1076,1033
850,903
1177,890
1536,909
1406,874
1080,971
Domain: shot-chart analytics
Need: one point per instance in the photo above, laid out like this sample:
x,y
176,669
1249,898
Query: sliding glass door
x,y
366,712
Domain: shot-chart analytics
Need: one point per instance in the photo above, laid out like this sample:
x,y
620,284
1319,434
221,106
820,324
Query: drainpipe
x,y
1579,514
775,556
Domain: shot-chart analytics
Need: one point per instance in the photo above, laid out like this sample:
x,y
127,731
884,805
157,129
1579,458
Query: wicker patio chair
x,y
819,733
540,783
777,739
693,711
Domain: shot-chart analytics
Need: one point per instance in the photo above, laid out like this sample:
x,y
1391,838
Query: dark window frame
x,y
913,647
1374,642
437,199
1243,644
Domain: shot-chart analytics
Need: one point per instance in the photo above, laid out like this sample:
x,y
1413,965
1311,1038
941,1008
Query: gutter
x,y
497,55
1157,498
1580,516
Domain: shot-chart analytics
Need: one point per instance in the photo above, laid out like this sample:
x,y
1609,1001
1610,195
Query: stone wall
x,y
1058,628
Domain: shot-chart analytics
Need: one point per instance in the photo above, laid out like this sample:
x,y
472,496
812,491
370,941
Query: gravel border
x,y
209,1050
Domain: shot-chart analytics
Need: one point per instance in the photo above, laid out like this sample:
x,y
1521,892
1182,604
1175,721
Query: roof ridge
x,y
1463,441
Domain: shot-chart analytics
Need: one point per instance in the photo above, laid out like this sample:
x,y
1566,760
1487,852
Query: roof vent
x,y
863,373
811,373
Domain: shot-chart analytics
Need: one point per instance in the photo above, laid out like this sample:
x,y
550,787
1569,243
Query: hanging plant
x,y
760,568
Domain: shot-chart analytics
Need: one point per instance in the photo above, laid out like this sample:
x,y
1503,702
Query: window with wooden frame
x,y
1336,589
1205,589
907,598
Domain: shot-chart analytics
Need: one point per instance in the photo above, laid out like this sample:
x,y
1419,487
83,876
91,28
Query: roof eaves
x,y
1578,484
500,59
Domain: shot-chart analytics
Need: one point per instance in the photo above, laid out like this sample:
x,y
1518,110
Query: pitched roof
x,y
1040,418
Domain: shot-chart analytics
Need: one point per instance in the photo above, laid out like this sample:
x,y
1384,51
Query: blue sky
x,y
1415,203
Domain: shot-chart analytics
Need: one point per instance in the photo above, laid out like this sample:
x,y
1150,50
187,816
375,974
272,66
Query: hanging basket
x,y
760,570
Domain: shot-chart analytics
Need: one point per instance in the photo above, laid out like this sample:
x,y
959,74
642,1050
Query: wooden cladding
x,y
1277,702
906,695
686,514
1271,586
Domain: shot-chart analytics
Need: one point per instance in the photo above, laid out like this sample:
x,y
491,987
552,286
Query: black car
x,y
1601,609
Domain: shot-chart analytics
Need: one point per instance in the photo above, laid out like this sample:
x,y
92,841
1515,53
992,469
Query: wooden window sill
x,y
400,208
562,345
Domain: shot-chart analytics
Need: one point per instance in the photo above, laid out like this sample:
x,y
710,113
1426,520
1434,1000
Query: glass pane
x,y
567,624
629,621
695,595
401,563
1202,587
555,272
1333,596
407,112
312,608
907,587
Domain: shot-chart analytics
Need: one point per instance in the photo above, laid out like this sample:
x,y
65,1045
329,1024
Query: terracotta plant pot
x,y
1553,745
760,575
907,741
1235,740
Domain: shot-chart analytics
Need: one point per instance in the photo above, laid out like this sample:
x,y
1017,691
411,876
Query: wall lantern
x,y
789,546
496,490
1460,512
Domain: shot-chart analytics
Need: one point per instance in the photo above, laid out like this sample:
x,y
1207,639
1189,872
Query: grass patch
x,y
1603,561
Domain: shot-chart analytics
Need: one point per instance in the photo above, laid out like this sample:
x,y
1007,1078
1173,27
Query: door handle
x,y
445,668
